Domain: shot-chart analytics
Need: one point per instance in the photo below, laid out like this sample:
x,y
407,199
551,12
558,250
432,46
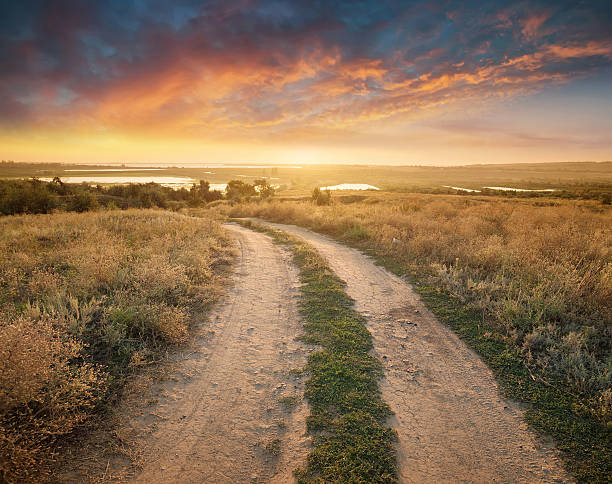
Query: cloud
x,y
251,68
531,25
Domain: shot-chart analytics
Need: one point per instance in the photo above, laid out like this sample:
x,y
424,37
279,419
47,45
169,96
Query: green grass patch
x,y
289,401
352,442
273,447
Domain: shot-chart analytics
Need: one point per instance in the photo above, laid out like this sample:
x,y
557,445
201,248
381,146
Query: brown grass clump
x,y
541,271
42,395
84,299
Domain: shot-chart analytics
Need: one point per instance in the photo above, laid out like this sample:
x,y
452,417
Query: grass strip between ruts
x,y
351,441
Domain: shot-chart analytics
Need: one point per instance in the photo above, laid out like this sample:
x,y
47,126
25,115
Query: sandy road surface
x,y
452,423
216,427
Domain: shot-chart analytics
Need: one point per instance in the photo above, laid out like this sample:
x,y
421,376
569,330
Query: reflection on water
x,y
462,189
218,186
195,165
503,189
122,169
351,186
508,189
167,181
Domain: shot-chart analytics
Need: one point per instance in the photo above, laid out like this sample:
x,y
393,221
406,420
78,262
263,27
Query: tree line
x,y
37,196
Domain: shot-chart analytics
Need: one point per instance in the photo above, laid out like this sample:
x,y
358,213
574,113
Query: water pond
x,y
351,186
167,181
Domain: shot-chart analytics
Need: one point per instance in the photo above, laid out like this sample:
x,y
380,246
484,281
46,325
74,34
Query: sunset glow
x,y
306,82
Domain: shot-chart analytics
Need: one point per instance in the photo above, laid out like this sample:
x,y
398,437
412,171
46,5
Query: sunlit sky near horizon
x,y
388,82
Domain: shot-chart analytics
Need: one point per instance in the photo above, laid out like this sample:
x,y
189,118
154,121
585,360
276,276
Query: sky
x,y
319,81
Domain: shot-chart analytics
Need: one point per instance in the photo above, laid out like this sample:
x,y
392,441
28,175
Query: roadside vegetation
x,y
85,300
35,196
352,442
527,284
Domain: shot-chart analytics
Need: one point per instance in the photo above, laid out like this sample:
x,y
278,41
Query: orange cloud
x,y
531,25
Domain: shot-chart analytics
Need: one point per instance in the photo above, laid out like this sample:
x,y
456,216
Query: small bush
x,y
237,189
82,201
321,197
46,390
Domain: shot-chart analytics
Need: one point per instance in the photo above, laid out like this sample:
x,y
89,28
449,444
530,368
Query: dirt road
x,y
452,423
221,423
220,419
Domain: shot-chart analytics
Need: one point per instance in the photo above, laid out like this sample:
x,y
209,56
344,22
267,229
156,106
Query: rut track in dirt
x,y
452,422
216,427
218,416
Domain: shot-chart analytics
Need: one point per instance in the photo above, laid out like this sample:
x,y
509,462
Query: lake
x,y
508,189
462,189
503,189
167,181
351,186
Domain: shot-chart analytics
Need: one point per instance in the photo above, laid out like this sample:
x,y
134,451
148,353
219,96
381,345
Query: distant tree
x,y
26,196
321,197
201,192
264,188
82,201
58,186
237,189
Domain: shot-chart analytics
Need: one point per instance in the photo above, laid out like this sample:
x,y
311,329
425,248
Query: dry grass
x,y
85,299
541,271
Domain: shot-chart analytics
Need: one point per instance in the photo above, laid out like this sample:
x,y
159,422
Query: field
x,y
588,179
534,279
543,273
85,300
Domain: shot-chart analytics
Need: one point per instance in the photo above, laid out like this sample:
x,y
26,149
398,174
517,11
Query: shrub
x,y
24,196
237,189
264,189
321,197
46,390
82,201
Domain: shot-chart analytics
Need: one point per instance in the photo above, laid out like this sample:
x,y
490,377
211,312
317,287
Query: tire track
x,y
215,419
452,422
